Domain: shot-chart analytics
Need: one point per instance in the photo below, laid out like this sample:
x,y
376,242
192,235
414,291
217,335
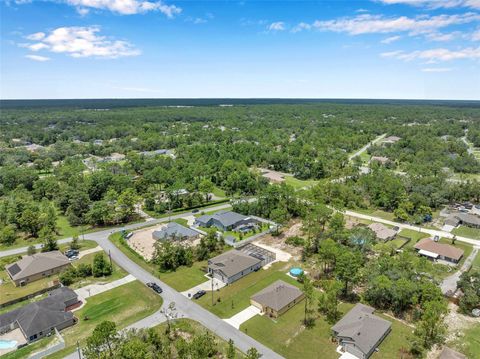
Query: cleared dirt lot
x,y
143,243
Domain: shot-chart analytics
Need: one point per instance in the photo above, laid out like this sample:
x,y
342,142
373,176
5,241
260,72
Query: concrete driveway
x,y
94,289
240,318
206,286
449,284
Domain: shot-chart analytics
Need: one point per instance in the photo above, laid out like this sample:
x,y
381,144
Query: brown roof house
x,y
429,248
382,232
233,265
37,266
360,332
39,319
277,298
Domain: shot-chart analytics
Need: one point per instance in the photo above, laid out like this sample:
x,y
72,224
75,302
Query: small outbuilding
x,y
277,298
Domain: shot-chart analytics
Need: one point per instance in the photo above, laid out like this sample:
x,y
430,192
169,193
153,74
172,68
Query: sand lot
x,y
143,243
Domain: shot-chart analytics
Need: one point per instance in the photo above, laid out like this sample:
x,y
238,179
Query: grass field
x,y
298,183
185,277
476,262
376,213
29,349
464,231
469,342
414,235
123,305
236,296
288,337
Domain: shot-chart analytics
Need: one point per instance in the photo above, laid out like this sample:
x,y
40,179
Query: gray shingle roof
x,y
233,262
226,218
468,218
172,230
277,295
36,263
362,327
42,315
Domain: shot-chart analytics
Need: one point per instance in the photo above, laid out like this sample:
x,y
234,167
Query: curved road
x,y
186,308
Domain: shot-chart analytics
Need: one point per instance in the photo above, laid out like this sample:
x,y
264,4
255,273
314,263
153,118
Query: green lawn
x,y
181,221
376,213
476,262
8,291
185,277
236,296
182,279
398,242
219,192
469,342
298,183
414,235
29,349
123,305
288,337
464,231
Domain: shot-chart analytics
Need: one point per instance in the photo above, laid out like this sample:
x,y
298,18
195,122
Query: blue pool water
x,y
7,344
296,271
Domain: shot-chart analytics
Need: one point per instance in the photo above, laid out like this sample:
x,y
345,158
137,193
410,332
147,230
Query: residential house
x,y
175,231
429,248
273,176
277,298
39,319
233,265
360,332
467,219
37,266
391,140
225,220
382,232
380,159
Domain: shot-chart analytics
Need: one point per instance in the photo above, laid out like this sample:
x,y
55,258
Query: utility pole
x,y
110,256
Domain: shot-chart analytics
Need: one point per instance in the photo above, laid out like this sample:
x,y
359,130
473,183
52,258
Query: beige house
x,y
382,232
277,298
37,266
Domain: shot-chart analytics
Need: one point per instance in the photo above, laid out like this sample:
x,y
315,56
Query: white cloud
x,y
36,36
435,4
435,55
476,35
125,7
82,42
369,24
302,26
437,36
437,69
37,58
277,26
390,39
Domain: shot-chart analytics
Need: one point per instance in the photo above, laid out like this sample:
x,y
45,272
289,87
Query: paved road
x,y
432,232
105,233
185,307
364,148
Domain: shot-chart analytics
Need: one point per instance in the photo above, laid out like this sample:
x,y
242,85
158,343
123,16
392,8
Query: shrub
x,y
84,270
295,241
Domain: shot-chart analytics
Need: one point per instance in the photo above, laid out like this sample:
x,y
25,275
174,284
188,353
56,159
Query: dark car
x,y
155,287
71,253
199,294
195,211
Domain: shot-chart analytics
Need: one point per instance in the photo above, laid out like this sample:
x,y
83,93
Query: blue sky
x,y
421,49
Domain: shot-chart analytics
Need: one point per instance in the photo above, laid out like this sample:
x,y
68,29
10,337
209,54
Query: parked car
x,y
195,211
155,287
72,258
436,238
199,294
71,253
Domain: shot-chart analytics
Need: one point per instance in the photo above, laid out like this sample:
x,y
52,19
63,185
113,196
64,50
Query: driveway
x,y
449,284
206,286
94,289
240,318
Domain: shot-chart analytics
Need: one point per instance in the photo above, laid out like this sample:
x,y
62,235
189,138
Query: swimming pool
x,y
296,271
7,344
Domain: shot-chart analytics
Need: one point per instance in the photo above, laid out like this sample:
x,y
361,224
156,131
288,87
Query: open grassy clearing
x,y
123,305
236,296
464,231
288,337
298,183
182,279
